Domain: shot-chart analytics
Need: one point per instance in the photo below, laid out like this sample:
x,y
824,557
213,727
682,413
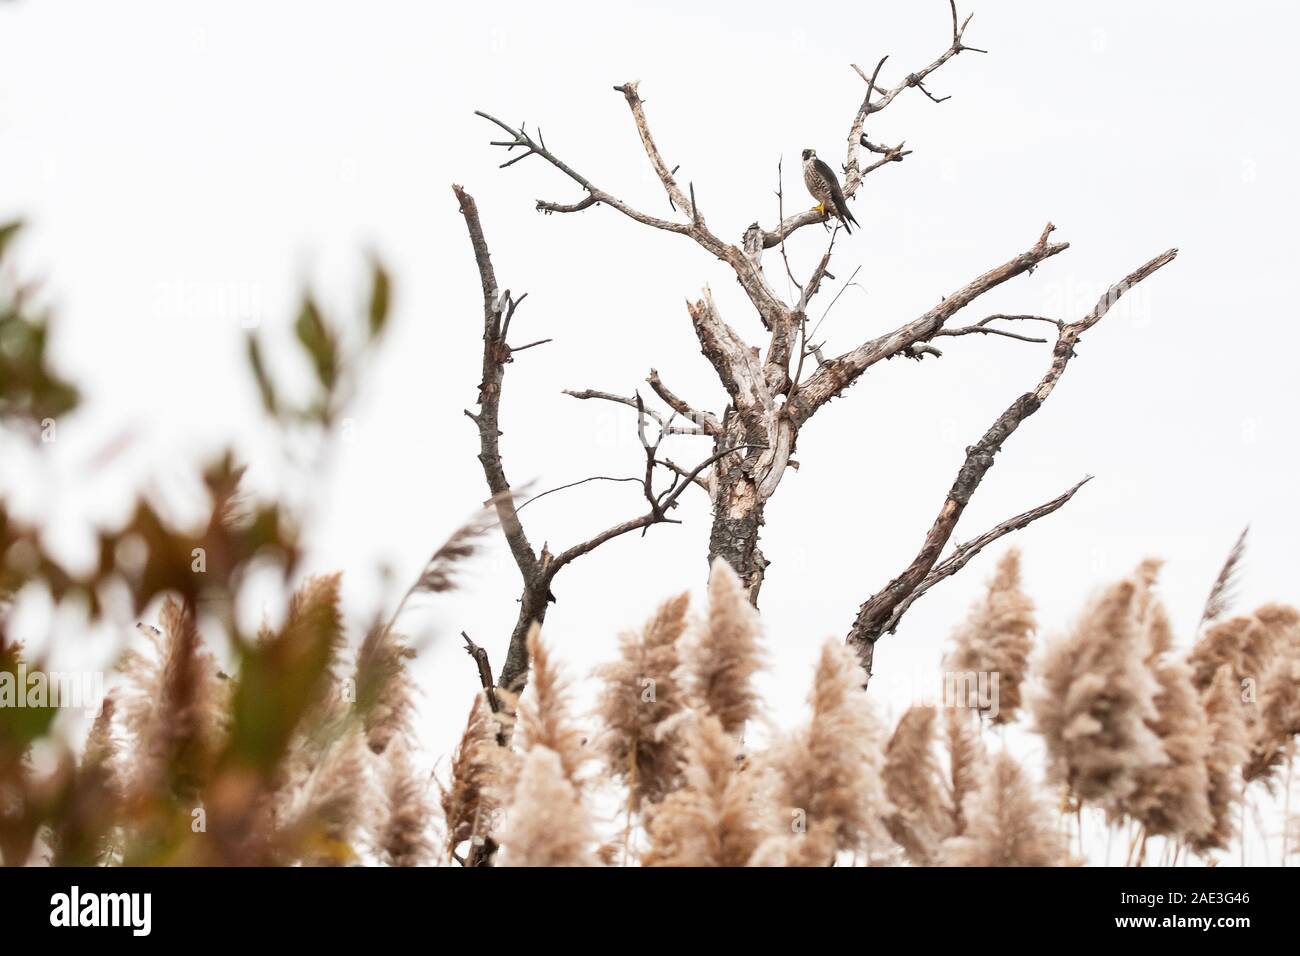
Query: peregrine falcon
x,y
825,188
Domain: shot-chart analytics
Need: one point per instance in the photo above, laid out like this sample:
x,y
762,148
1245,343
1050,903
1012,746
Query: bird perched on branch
x,y
825,188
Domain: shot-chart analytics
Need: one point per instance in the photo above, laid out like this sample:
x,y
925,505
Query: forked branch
x,y
837,374
880,613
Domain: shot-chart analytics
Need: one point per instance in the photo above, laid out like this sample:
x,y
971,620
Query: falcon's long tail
x,y
846,217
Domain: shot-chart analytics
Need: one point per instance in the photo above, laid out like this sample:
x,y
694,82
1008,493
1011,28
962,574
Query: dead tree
x,y
773,393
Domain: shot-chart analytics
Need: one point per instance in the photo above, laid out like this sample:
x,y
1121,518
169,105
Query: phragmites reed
x,y
384,693
815,847
639,697
472,799
1282,621
546,824
310,643
1222,645
1279,716
100,756
1248,643
1221,592
831,772
1227,751
997,637
920,820
544,717
174,708
403,838
325,817
439,574
1096,700
721,813
1008,825
297,761
85,835
1260,650
1172,798
721,660
965,756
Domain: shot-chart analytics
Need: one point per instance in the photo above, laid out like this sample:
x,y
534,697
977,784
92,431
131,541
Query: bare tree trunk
x,y
737,518
739,499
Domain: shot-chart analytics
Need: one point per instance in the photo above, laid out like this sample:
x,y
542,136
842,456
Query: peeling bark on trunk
x,y
742,483
737,518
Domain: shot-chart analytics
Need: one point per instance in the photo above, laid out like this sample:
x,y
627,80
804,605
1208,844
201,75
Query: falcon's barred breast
x,y
825,188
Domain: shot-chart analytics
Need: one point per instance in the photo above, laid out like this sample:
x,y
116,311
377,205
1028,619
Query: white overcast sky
x,y
181,165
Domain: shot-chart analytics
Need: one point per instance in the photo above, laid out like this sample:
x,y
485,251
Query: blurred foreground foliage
x,y
185,764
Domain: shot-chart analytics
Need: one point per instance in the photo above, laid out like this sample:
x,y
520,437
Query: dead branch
x,y
532,147
698,480
880,613
495,356
962,553
675,197
588,394
981,329
573,484
854,173
538,571
480,657
748,271
665,501
841,372
705,420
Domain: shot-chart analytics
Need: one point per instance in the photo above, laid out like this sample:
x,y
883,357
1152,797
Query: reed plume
x,y
1172,798
721,813
1220,646
84,837
546,824
1227,752
1008,825
439,573
832,770
544,713
1096,700
310,706
1221,592
920,820
175,708
302,661
721,660
1248,643
403,838
997,637
328,811
639,698
472,798
816,847
965,757
384,692
1278,720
